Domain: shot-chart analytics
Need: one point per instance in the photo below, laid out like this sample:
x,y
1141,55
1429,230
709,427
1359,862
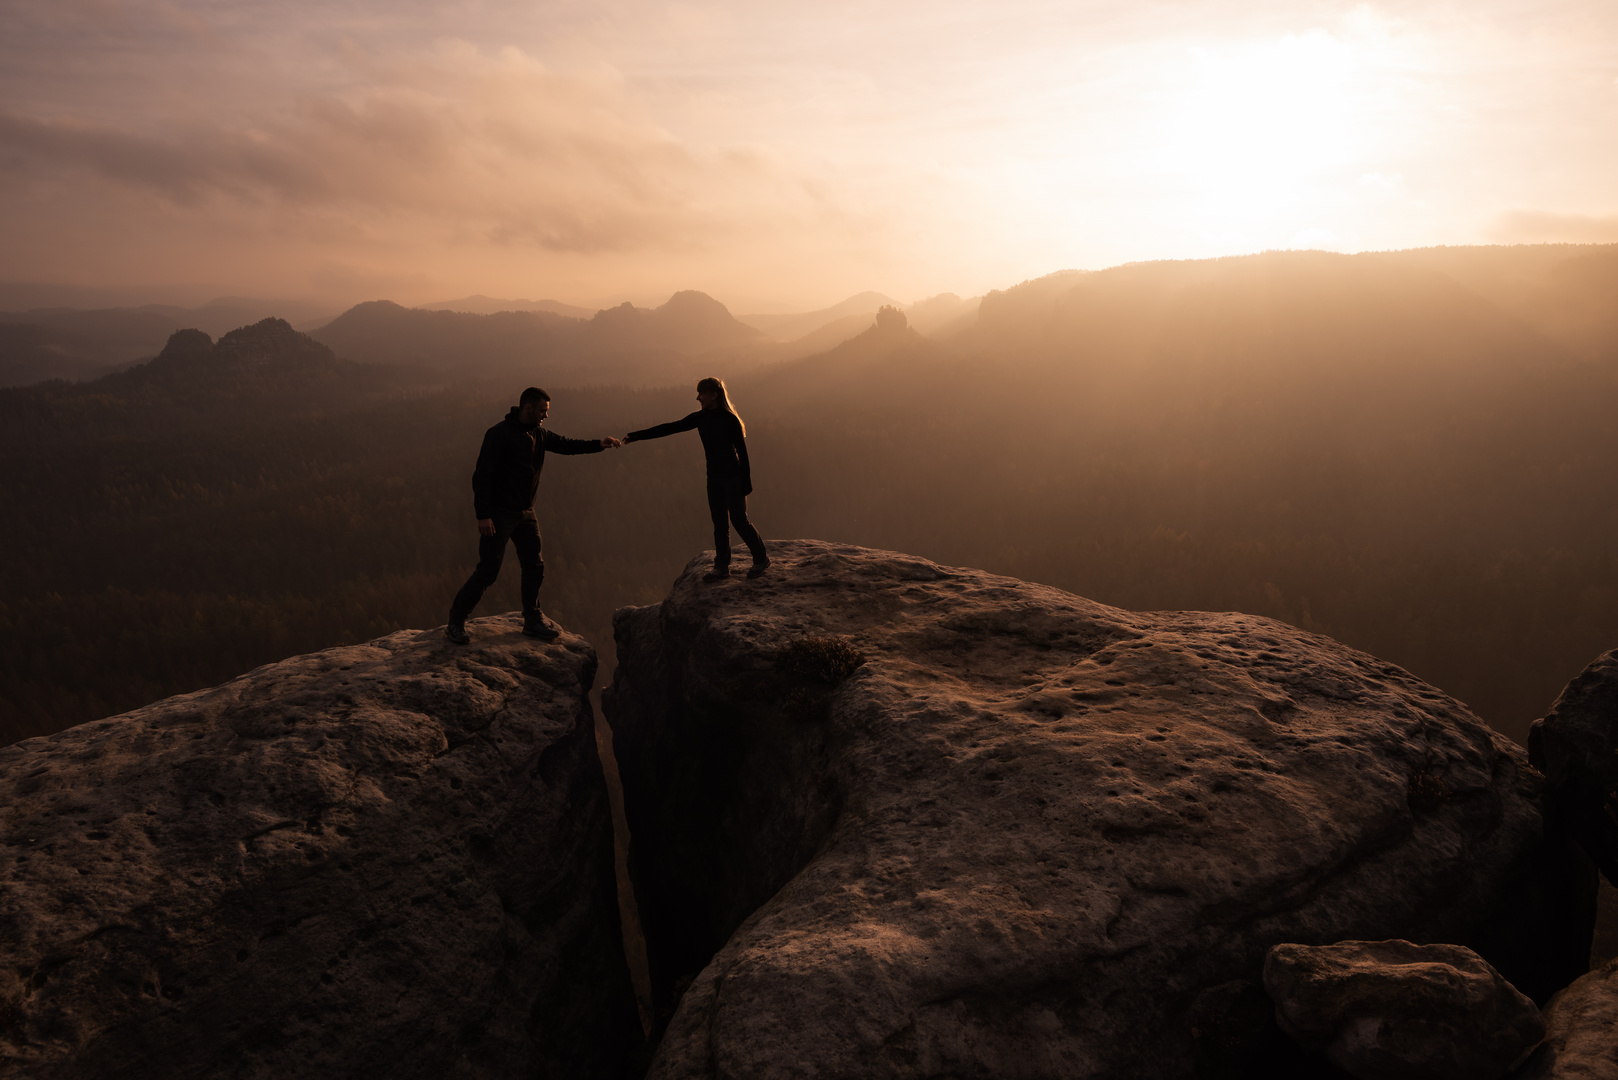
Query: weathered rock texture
x,y
390,860
1393,1010
1032,836
1581,1038
1576,746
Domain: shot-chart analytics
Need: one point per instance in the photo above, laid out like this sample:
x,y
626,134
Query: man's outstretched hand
x,y
485,526
610,443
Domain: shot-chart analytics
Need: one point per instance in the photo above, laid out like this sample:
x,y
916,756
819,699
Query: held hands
x,y
610,443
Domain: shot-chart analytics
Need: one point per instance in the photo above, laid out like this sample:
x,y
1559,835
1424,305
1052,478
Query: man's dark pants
x,y
522,530
726,498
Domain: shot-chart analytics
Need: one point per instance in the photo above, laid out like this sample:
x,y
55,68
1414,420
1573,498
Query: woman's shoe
x,y
758,568
718,573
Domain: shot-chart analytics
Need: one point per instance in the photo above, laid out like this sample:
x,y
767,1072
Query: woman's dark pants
x,y
726,497
522,530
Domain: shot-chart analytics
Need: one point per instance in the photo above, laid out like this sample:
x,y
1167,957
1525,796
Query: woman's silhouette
x,y
724,442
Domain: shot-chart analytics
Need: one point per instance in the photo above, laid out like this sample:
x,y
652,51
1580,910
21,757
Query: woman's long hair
x,y
717,386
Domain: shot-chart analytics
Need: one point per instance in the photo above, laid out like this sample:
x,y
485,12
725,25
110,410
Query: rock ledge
x,y
389,860
1032,835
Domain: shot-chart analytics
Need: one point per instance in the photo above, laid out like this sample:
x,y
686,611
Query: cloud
x,y
1541,227
472,147
183,170
584,147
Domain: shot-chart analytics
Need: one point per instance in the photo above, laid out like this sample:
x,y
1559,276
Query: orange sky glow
x,y
780,156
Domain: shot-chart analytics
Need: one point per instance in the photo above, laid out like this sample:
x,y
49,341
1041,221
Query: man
x,y
503,487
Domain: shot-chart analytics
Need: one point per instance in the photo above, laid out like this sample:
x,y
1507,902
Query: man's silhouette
x,y
503,487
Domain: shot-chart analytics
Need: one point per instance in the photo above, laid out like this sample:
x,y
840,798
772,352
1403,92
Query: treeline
x,y
1387,456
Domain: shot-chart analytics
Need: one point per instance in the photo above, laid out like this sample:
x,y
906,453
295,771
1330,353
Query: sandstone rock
x,y
389,860
1392,1010
1031,835
1576,746
1581,1037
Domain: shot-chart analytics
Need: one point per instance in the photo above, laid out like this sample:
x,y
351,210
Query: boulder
x,y
386,860
891,818
1580,1023
1576,746
1393,1010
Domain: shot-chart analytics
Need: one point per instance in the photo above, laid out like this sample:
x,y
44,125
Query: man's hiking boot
x,y
758,568
535,626
718,573
455,630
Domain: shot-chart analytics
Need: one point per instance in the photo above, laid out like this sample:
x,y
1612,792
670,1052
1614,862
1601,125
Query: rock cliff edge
x,y
898,819
389,860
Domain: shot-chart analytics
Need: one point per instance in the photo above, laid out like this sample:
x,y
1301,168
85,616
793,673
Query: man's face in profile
x,y
534,412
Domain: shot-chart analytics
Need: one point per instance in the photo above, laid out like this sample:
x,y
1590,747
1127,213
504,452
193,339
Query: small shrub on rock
x,y
825,659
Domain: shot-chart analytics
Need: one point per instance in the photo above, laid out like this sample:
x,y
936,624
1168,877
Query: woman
x,y
724,442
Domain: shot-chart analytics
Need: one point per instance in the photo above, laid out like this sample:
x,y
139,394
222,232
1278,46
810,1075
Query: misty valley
x,y
1410,452
1037,725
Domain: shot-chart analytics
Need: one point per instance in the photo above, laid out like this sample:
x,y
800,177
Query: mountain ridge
x,y
622,344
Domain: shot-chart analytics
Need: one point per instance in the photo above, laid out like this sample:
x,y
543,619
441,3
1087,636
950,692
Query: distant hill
x,y
76,343
264,370
1360,309
70,344
31,354
1296,318
1380,354
826,337
225,313
886,361
487,305
1569,292
945,313
622,345
860,307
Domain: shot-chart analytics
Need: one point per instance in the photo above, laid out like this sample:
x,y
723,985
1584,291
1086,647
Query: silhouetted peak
x,y
263,330
367,313
623,315
890,320
269,340
187,345
695,319
691,302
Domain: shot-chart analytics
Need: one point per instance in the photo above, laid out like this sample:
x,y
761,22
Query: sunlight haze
x,y
780,157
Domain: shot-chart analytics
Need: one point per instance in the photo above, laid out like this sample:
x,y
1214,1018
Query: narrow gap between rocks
x,y
628,912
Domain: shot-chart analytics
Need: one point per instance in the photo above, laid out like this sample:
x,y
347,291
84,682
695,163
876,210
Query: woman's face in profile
x,y
708,398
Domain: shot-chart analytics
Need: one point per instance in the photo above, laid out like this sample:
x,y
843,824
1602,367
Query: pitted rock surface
x,y
1392,1010
1581,1038
1032,836
388,860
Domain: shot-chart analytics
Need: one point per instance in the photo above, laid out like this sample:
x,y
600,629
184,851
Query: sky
x,y
780,156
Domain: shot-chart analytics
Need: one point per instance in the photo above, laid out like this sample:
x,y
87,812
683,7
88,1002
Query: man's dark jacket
x,y
507,473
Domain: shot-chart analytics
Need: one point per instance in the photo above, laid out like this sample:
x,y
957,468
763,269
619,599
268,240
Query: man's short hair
x,y
533,393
